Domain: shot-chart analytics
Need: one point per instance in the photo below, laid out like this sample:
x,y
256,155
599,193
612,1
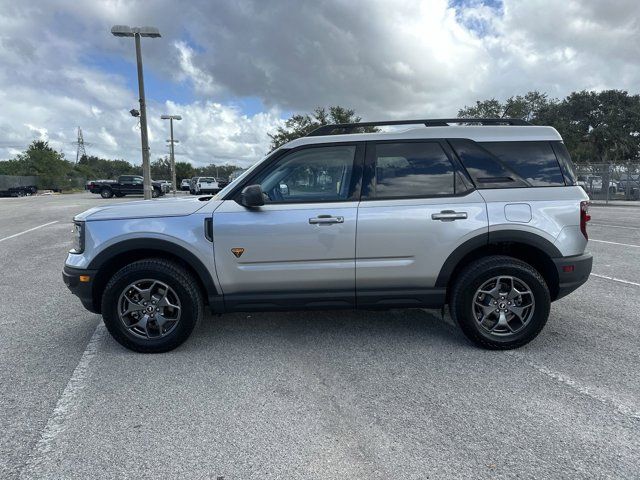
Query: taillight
x,y
584,218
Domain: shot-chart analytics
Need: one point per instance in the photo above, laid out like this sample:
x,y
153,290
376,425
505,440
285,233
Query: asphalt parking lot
x,y
396,394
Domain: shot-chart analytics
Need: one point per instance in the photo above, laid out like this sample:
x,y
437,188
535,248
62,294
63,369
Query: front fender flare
x,y
154,244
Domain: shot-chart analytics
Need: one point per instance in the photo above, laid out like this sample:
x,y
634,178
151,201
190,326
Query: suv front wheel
x,y
151,305
500,302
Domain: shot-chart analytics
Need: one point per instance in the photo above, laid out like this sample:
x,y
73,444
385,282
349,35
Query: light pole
x,y
137,32
171,118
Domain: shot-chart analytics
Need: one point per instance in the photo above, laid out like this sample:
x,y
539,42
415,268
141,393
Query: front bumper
x,y
571,278
82,290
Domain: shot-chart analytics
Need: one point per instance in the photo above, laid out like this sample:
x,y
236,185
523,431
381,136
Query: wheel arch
x,y
528,247
111,259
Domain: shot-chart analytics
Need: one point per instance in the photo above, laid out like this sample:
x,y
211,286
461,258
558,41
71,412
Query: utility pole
x,y
137,32
171,118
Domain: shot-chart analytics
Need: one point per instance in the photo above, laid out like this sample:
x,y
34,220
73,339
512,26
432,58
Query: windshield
x,y
207,179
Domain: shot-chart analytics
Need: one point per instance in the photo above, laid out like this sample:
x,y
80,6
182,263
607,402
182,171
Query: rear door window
x,y
414,170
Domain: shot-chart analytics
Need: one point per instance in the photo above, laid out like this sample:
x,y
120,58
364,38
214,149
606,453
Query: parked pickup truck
x,y
125,185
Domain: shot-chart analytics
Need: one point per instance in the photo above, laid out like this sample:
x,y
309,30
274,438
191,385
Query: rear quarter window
x,y
485,169
566,165
534,162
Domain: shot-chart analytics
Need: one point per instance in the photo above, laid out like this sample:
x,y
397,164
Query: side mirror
x,y
251,196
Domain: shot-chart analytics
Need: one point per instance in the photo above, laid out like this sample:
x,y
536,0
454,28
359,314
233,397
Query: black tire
x,y
106,192
171,274
119,194
155,193
463,296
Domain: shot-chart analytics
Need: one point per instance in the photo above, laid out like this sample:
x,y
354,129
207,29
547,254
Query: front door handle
x,y
325,220
448,216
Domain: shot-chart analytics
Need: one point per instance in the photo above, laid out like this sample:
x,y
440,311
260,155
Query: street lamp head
x,y
170,117
152,32
122,31
134,112
126,31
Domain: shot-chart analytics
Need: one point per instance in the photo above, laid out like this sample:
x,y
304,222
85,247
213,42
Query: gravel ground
x,y
396,394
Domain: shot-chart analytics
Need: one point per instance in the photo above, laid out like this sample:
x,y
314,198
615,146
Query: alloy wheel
x,y
149,309
503,305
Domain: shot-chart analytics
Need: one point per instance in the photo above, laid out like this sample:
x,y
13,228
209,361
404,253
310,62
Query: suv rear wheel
x,y
500,302
151,306
106,193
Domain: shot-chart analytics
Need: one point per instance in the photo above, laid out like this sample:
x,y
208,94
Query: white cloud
x,y
202,81
407,58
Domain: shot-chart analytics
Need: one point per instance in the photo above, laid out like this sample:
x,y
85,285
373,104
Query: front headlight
x,y
78,237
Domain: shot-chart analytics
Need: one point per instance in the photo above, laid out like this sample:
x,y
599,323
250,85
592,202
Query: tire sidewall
x,y
106,193
189,313
466,294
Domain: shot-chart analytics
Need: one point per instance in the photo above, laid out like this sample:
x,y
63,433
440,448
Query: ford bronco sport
x,y
482,215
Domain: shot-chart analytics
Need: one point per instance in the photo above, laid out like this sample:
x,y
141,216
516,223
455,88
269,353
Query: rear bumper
x,y
82,290
579,274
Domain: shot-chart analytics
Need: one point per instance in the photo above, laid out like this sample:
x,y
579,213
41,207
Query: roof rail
x,y
434,122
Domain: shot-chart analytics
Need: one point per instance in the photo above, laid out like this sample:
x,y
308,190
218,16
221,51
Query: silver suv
x,y
484,216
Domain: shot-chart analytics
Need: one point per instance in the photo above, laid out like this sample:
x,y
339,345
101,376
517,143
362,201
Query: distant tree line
x,y
597,127
54,171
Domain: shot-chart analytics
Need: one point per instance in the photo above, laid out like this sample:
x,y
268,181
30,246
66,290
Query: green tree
x,y
161,169
300,125
101,168
49,166
525,107
597,127
601,127
183,170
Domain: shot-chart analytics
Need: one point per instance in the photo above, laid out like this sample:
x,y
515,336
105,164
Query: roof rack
x,y
434,122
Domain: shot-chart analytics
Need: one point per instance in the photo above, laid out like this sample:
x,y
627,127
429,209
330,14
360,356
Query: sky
x,y
236,69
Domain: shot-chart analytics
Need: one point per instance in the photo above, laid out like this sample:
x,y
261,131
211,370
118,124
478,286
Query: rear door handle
x,y
448,216
325,220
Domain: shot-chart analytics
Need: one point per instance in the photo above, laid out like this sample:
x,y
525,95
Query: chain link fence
x,y
12,181
608,182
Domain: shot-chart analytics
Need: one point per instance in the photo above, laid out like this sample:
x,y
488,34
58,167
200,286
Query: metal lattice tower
x,y
80,152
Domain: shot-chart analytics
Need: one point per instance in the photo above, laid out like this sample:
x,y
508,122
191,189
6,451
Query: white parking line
x,y
614,243
27,231
613,226
615,279
598,394
64,409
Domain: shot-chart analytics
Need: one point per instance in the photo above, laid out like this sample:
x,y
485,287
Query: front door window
x,y
321,174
